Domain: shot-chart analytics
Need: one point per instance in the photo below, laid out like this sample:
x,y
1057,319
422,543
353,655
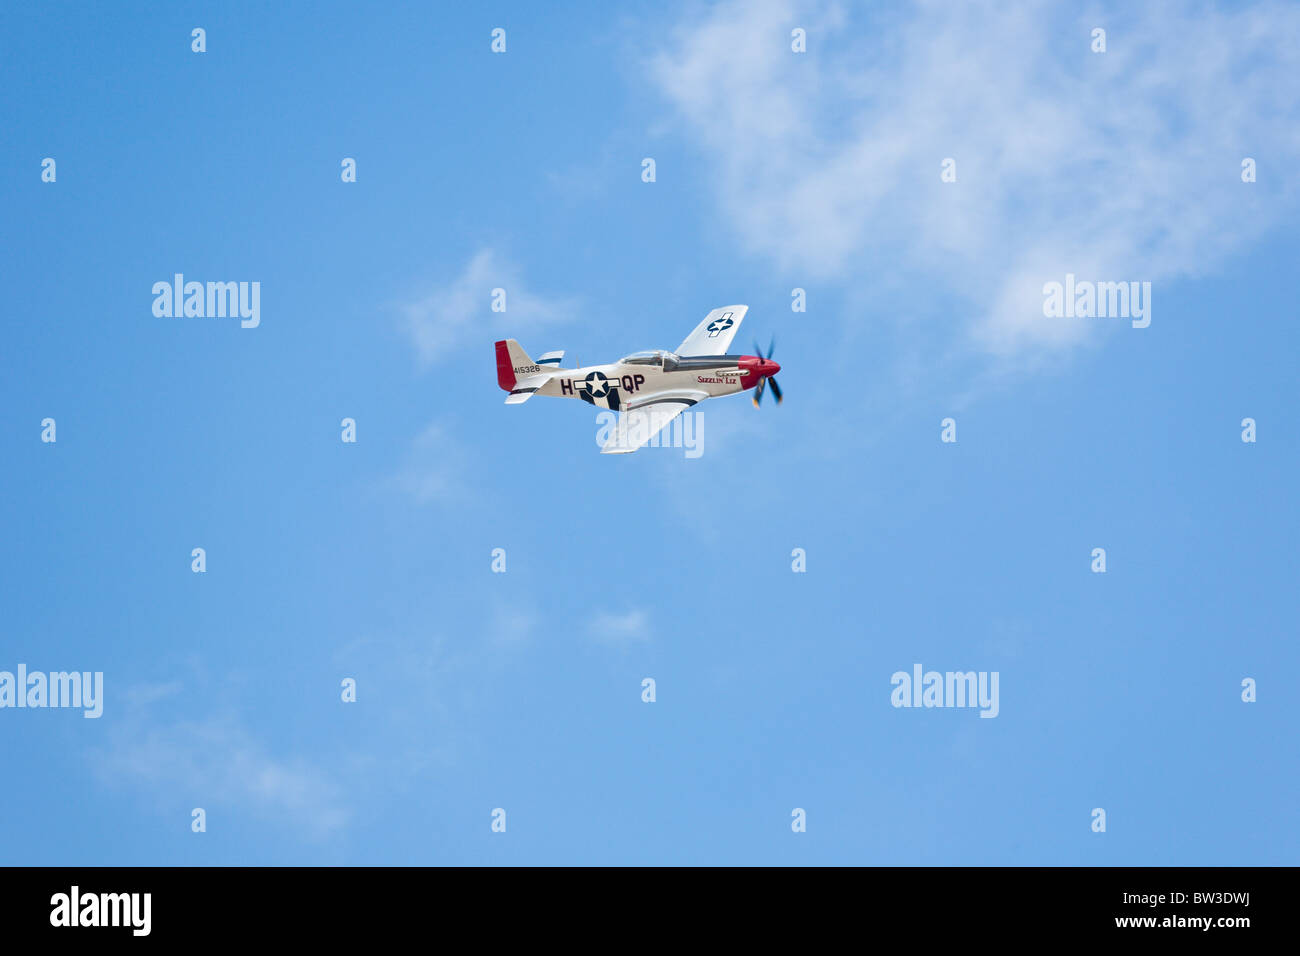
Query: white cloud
x,y
620,630
510,627
216,763
434,468
142,695
1123,165
461,310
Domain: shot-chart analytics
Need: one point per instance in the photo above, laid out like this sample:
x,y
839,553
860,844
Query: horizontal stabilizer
x,y
525,388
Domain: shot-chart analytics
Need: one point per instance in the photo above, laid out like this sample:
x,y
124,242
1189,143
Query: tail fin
x,y
513,364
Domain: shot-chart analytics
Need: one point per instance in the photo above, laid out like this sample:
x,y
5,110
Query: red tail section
x,y
505,369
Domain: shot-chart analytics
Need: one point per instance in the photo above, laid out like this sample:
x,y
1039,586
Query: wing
x,y
639,424
713,336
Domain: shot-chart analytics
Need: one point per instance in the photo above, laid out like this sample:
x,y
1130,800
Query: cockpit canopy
x,y
656,357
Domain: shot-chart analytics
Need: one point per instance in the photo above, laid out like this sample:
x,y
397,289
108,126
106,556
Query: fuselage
x,y
618,384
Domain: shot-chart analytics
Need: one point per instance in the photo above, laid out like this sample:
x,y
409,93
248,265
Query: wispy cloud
x,y
142,695
215,762
1117,165
511,627
435,467
620,630
461,309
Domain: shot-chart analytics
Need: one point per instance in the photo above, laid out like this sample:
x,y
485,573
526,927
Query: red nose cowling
x,y
760,368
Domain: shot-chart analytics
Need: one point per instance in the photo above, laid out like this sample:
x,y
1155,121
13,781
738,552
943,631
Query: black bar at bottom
x,y
333,906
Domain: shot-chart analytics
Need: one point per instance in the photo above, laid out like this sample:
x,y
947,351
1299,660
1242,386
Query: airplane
x,y
648,389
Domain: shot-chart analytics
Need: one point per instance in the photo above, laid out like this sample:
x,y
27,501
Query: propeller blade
x,y
758,391
771,347
776,390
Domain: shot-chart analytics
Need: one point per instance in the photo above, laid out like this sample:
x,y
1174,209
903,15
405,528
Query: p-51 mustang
x,y
647,389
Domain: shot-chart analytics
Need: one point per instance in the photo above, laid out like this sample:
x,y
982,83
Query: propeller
x,y
762,382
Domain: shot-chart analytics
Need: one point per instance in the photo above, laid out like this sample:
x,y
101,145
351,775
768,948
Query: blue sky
x,y
522,690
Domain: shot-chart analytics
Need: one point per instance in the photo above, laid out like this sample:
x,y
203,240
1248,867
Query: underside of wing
x,y
713,336
641,423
